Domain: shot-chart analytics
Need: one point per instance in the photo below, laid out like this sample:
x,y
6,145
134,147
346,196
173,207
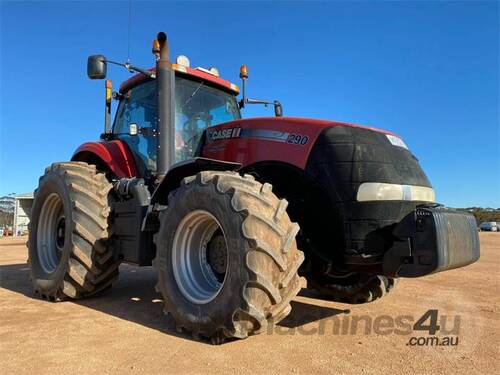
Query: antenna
x,y
129,28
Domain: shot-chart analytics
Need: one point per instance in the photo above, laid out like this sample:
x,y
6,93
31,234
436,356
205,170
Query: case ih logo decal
x,y
277,136
216,135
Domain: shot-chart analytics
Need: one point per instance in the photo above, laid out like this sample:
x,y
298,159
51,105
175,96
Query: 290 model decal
x,y
297,139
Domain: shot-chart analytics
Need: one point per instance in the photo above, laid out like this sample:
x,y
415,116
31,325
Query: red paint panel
x,y
250,149
138,78
115,154
208,77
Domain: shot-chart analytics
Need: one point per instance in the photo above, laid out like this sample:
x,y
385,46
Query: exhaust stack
x,y
165,112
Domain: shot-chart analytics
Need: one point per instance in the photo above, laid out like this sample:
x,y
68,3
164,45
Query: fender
x,y
190,167
112,155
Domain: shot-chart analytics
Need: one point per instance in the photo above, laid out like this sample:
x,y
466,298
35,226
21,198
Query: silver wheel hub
x,y
51,230
217,254
199,257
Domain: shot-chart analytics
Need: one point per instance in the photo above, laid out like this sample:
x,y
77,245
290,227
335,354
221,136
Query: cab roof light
x,y
235,88
183,60
214,71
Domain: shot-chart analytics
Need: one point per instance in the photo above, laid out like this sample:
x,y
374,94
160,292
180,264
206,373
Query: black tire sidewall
x,y
49,283
230,297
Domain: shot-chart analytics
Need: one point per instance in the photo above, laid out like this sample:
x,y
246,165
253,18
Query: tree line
x,y
483,214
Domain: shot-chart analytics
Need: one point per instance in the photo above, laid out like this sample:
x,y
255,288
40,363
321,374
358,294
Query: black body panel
x,y
136,213
344,157
131,242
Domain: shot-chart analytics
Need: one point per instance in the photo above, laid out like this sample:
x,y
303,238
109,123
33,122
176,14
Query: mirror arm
x,y
278,109
147,73
132,68
257,101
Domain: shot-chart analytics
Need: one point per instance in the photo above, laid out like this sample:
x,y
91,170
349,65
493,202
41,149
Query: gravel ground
x,y
126,331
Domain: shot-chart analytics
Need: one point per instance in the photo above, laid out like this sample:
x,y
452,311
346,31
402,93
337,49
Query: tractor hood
x,y
291,123
285,139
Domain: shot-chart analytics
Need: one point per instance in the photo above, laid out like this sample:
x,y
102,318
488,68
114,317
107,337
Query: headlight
x,y
378,191
422,193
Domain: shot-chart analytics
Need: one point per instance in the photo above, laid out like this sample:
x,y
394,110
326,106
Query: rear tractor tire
x,y
67,252
226,256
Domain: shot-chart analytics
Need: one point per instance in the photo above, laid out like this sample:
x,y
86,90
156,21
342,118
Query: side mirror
x,y
96,67
278,110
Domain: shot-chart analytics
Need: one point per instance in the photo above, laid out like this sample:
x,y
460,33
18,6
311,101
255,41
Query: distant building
x,y
6,214
7,204
22,213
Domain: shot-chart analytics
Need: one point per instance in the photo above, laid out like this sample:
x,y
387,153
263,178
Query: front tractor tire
x,y
354,288
68,256
226,257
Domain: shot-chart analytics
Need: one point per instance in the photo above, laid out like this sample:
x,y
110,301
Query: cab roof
x,y
186,71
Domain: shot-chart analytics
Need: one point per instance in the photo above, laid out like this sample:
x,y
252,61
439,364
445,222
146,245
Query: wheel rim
x,y
199,257
51,233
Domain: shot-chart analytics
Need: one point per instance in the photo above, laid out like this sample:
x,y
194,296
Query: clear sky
x,y
428,71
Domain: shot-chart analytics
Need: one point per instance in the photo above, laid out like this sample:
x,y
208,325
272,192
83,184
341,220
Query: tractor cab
x,y
164,112
201,99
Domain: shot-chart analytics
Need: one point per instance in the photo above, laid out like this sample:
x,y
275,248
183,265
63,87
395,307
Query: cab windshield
x,y
198,106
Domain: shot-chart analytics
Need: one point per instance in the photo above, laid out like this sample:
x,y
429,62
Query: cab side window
x,y
138,108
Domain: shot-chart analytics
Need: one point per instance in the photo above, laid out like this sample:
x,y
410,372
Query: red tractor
x,y
231,211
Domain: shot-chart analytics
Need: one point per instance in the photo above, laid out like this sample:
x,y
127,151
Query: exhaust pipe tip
x,y
162,37
162,40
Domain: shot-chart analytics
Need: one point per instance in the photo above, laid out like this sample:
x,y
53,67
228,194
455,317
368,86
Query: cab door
x,y
135,124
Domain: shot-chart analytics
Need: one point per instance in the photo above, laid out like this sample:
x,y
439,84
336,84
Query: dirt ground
x,y
126,331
